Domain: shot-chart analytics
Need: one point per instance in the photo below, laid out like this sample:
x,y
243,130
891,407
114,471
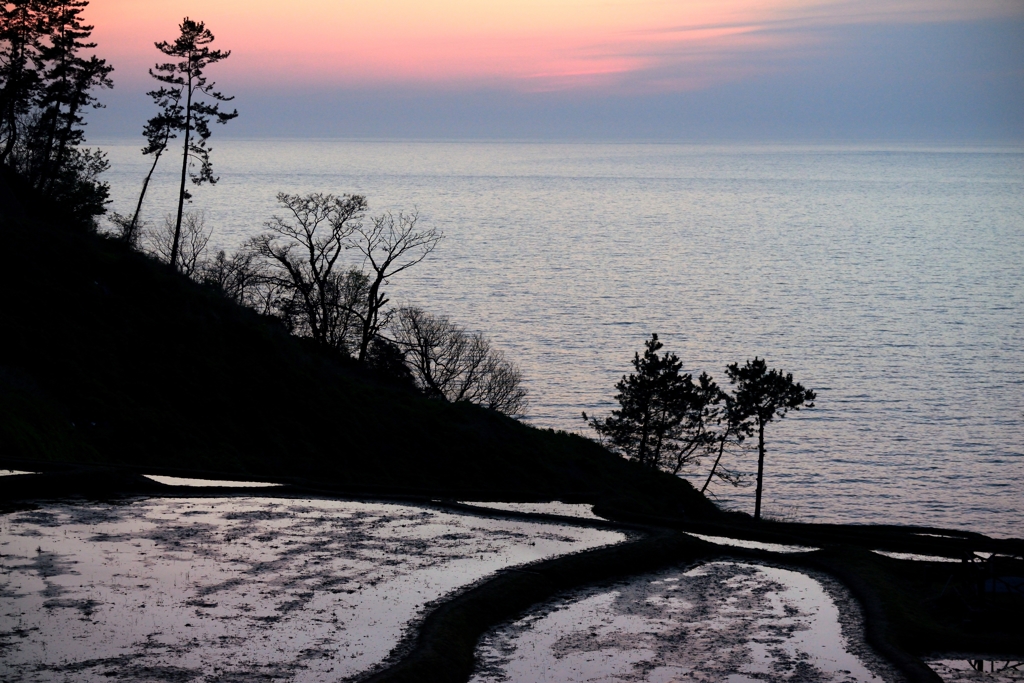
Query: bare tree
x,y
192,241
389,245
242,277
127,228
323,300
452,364
503,385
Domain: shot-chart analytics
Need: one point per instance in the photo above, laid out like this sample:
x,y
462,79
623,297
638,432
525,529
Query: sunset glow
x,y
640,45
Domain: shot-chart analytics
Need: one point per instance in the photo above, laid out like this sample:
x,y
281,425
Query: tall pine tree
x,y
188,83
46,84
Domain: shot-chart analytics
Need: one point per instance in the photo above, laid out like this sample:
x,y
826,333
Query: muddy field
x,y
239,589
719,621
278,589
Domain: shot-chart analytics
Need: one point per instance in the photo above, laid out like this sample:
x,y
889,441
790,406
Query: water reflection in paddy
x,y
720,621
978,670
187,481
239,588
753,545
578,510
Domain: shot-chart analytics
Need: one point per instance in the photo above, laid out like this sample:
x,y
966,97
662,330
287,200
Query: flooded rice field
x,y
187,481
719,621
752,545
577,510
915,557
978,670
235,589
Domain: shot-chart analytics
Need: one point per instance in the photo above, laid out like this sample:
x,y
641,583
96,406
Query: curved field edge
x,y
903,620
444,648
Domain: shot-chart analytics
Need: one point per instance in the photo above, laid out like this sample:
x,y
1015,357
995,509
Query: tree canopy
x,y
187,83
762,395
665,420
46,85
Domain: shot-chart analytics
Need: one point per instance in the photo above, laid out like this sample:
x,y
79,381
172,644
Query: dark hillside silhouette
x,y
108,357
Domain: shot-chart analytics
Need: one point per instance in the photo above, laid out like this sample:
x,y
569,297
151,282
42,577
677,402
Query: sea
x,y
888,278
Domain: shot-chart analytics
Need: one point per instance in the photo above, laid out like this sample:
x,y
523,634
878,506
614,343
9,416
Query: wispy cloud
x,y
533,45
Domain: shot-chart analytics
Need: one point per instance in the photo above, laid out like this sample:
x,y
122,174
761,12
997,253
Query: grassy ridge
x,y
107,357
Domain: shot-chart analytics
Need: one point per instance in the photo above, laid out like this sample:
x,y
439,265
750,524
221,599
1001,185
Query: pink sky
x,y
530,45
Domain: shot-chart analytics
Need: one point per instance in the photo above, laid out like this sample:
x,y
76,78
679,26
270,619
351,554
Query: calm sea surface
x,y
889,280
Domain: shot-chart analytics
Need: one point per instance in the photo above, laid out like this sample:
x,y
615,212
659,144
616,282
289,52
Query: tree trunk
x,y
63,144
721,449
184,173
641,453
371,318
760,468
12,124
129,235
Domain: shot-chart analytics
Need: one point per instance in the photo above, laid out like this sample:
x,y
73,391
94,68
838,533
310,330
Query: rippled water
x,y
887,280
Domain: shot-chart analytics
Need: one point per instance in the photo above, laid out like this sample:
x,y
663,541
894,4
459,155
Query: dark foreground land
x,y
111,366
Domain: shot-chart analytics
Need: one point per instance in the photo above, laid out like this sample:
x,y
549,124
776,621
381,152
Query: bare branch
x,y
389,245
451,364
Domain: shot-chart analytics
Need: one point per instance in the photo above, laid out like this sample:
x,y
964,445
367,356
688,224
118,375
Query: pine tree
x,y
68,80
653,402
159,131
45,86
21,29
187,78
761,395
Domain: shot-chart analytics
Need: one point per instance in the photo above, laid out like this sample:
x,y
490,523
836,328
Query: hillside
x,y
109,358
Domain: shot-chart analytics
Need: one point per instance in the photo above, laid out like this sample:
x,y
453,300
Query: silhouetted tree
x,y
388,361
389,245
761,395
45,86
653,404
22,27
188,83
194,238
668,421
451,364
728,430
159,131
319,297
243,278
66,83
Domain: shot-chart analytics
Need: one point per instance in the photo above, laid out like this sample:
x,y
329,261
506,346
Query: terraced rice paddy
x,y
719,621
239,588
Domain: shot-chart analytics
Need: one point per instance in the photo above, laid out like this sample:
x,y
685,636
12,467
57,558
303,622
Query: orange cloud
x,y
528,44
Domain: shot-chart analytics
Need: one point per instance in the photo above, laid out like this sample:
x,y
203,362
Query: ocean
x,y
886,278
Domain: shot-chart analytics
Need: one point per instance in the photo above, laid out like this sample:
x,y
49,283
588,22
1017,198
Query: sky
x,y
688,70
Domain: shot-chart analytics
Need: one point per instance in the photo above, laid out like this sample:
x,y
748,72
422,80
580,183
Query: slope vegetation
x,y
108,358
